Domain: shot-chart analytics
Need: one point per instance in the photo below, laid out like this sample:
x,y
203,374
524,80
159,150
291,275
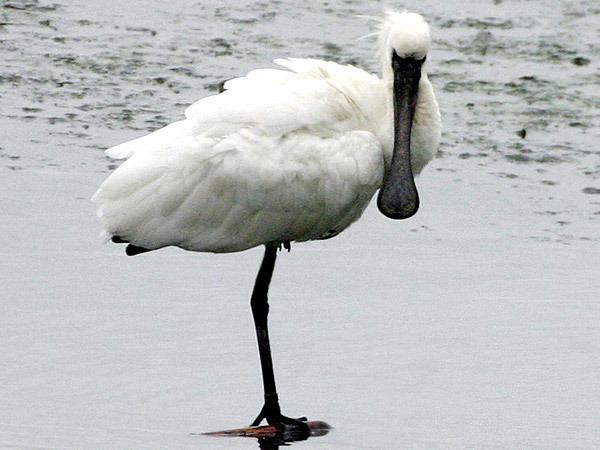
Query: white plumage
x,y
291,154
282,155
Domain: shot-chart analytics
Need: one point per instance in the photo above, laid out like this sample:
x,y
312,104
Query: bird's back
x,y
279,156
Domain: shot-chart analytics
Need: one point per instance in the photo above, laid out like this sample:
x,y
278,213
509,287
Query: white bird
x,y
281,156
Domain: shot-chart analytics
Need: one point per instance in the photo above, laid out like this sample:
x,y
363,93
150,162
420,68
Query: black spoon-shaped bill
x,y
398,197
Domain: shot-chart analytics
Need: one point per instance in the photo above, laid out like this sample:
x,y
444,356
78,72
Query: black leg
x,y
260,310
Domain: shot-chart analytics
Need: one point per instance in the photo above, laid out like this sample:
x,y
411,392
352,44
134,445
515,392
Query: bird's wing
x,y
275,142
279,101
254,190
155,141
311,94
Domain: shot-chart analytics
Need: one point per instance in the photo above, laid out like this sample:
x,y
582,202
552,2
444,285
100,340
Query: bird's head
x,y
403,45
403,33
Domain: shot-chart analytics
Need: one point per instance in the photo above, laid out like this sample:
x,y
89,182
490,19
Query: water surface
x,y
473,325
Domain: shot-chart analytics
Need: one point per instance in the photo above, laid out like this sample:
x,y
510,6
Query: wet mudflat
x,y
472,325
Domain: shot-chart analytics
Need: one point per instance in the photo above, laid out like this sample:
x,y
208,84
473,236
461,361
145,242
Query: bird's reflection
x,y
271,443
285,438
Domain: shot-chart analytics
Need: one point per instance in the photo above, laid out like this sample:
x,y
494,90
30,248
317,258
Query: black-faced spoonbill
x,y
281,156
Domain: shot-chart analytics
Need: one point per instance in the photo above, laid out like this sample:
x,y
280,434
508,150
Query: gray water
x,y
475,324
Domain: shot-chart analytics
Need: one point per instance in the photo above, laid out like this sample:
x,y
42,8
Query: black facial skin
x,y
398,197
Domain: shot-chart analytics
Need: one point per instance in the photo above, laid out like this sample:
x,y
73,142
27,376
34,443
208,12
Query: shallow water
x,y
473,325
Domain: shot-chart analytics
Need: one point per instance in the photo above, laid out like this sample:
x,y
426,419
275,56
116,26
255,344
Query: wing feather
x,y
275,157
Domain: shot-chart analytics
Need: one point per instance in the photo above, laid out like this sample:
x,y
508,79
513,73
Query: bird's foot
x,y
289,429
